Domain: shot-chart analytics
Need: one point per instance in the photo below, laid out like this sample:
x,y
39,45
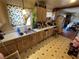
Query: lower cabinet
x,y
23,43
27,42
47,33
7,49
19,45
3,51
38,37
50,32
11,48
41,35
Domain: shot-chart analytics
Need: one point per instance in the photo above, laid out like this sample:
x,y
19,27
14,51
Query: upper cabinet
x,y
22,3
29,3
15,2
41,14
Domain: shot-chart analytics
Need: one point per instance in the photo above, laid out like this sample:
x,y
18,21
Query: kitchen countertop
x,y
15,35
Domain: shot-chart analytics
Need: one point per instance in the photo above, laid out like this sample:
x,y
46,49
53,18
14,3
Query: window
x,y
19,16
15,15
49,14
28,16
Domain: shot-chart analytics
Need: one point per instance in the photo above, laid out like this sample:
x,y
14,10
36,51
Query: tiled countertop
x,y
15,35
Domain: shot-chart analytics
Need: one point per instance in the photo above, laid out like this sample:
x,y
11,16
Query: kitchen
x,y
29,27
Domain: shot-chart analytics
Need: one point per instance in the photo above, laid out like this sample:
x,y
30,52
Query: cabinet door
x,y
29,3
15,2
37,35
51,32
19,45
41,14
11,48
8,47
34,38
27,42
41,35
44,34
3,51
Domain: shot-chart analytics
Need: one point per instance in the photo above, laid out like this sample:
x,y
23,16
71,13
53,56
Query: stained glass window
x,y
15,15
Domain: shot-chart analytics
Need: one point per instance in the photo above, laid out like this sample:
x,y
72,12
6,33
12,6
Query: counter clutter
x,y
15,35
13,41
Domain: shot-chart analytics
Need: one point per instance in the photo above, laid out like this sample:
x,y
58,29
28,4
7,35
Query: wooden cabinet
x,y
59,23
50,32
8,47
41,35
3,51
15,2
23,43
47,33
29,4
11,48
19,45
33,38
41,14
27,42
44,34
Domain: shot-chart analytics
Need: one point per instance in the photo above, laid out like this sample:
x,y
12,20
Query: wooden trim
x,y
65,7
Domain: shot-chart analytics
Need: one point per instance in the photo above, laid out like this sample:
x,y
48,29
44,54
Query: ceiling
x,y
60,3
50,4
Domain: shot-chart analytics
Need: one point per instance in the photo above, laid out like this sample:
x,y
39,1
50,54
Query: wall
x,y
4,17
75,18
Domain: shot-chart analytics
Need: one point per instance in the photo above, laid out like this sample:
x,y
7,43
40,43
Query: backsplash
x,y
15,15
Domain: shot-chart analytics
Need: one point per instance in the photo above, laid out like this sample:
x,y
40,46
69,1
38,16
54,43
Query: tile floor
x,y
52,48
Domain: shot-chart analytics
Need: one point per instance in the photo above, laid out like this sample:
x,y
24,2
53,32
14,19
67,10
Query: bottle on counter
x,y
19,31
25,29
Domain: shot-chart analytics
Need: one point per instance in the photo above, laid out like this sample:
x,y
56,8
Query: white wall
x,y
75,18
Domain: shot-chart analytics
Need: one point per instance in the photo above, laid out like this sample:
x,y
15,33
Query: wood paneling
x,y
11,48
3,51
41,14
20,45
27,42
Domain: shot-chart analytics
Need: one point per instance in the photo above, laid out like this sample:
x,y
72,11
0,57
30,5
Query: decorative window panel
x,y
15,15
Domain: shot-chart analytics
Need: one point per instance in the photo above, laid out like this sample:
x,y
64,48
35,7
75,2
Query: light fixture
x,y
73,1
